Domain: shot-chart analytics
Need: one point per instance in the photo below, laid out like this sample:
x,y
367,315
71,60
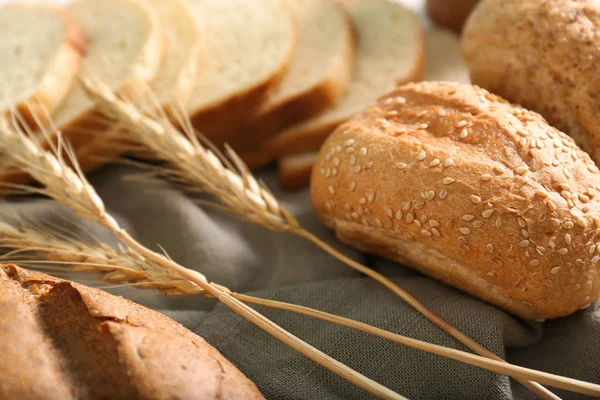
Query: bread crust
x,y
549,67
88,343
461,185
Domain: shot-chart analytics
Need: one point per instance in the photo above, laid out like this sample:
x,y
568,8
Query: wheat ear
x,y
234,186
70,187
36,242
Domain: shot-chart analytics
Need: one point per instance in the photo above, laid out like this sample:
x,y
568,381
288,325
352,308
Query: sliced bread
x,y
390,50
173,84
125,46
318,74
41,51
248,46
444,62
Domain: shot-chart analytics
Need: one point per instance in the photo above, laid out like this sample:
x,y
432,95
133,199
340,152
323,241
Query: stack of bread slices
x,y
271,78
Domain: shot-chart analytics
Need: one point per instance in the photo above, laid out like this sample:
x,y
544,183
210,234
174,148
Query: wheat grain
x,y
233,184
70,187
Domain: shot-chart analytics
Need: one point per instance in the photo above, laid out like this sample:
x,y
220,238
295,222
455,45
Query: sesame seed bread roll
x,y
476,192
543,55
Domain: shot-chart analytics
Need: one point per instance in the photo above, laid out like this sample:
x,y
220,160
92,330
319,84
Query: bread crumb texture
x,y
464,186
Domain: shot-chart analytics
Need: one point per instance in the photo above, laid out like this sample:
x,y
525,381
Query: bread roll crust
x,y
86,343
543,55
481,194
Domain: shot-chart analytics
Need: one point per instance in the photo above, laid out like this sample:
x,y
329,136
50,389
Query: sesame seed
x,y
338,148
369,165
475,199
568,225
478,224
468,217
424,194
441,112
423,126
398,215
463,133
525,233
389,212
430,195
424,218
551,205
448,162
548,283
434,222
540,249
367,211
435,232
371,197
521,222
362,201
406,205
490,247
498,223
419,205
421,113
595,259
562,251
447,181
401,165
363,151
463,240
417,223
583,198
486,177
353,186
461,124
378,223
487,213
400,100
356,168
568,239
328,173
421,156
542,194
352,160
597,222
534,263
410,218
581,222
434,163
521,170
349,149
334,171
425,232
524,243
443,194
355,215
566,195
331,189
592,249
328,156
464,231
328,206
579,262
336,161
349,142
465,248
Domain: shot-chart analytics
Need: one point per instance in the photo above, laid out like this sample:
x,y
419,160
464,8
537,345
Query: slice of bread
x,y
41,51
248,46
125,46
318,75
444,62
390,51
295,170
173,84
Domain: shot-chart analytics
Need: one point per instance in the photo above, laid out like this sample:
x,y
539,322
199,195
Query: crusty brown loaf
x,y
472,190
543,55
62,340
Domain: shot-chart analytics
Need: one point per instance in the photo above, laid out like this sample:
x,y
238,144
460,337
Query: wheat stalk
x,y
235,187
70,187
118,266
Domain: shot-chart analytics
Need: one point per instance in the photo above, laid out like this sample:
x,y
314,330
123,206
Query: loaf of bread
x,y
449,14
543,55
465,187
61,340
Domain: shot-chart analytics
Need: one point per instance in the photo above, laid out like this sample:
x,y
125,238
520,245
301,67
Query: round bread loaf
x,y
543,55
62,340
463,186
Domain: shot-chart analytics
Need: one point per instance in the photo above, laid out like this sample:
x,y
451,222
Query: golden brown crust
x,y
549,67
477,192
119,350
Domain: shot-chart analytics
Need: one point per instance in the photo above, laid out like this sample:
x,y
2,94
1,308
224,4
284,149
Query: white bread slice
x,y
248,46
318,74
295,170
125,47
173,84
444,60
390,51
41,51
